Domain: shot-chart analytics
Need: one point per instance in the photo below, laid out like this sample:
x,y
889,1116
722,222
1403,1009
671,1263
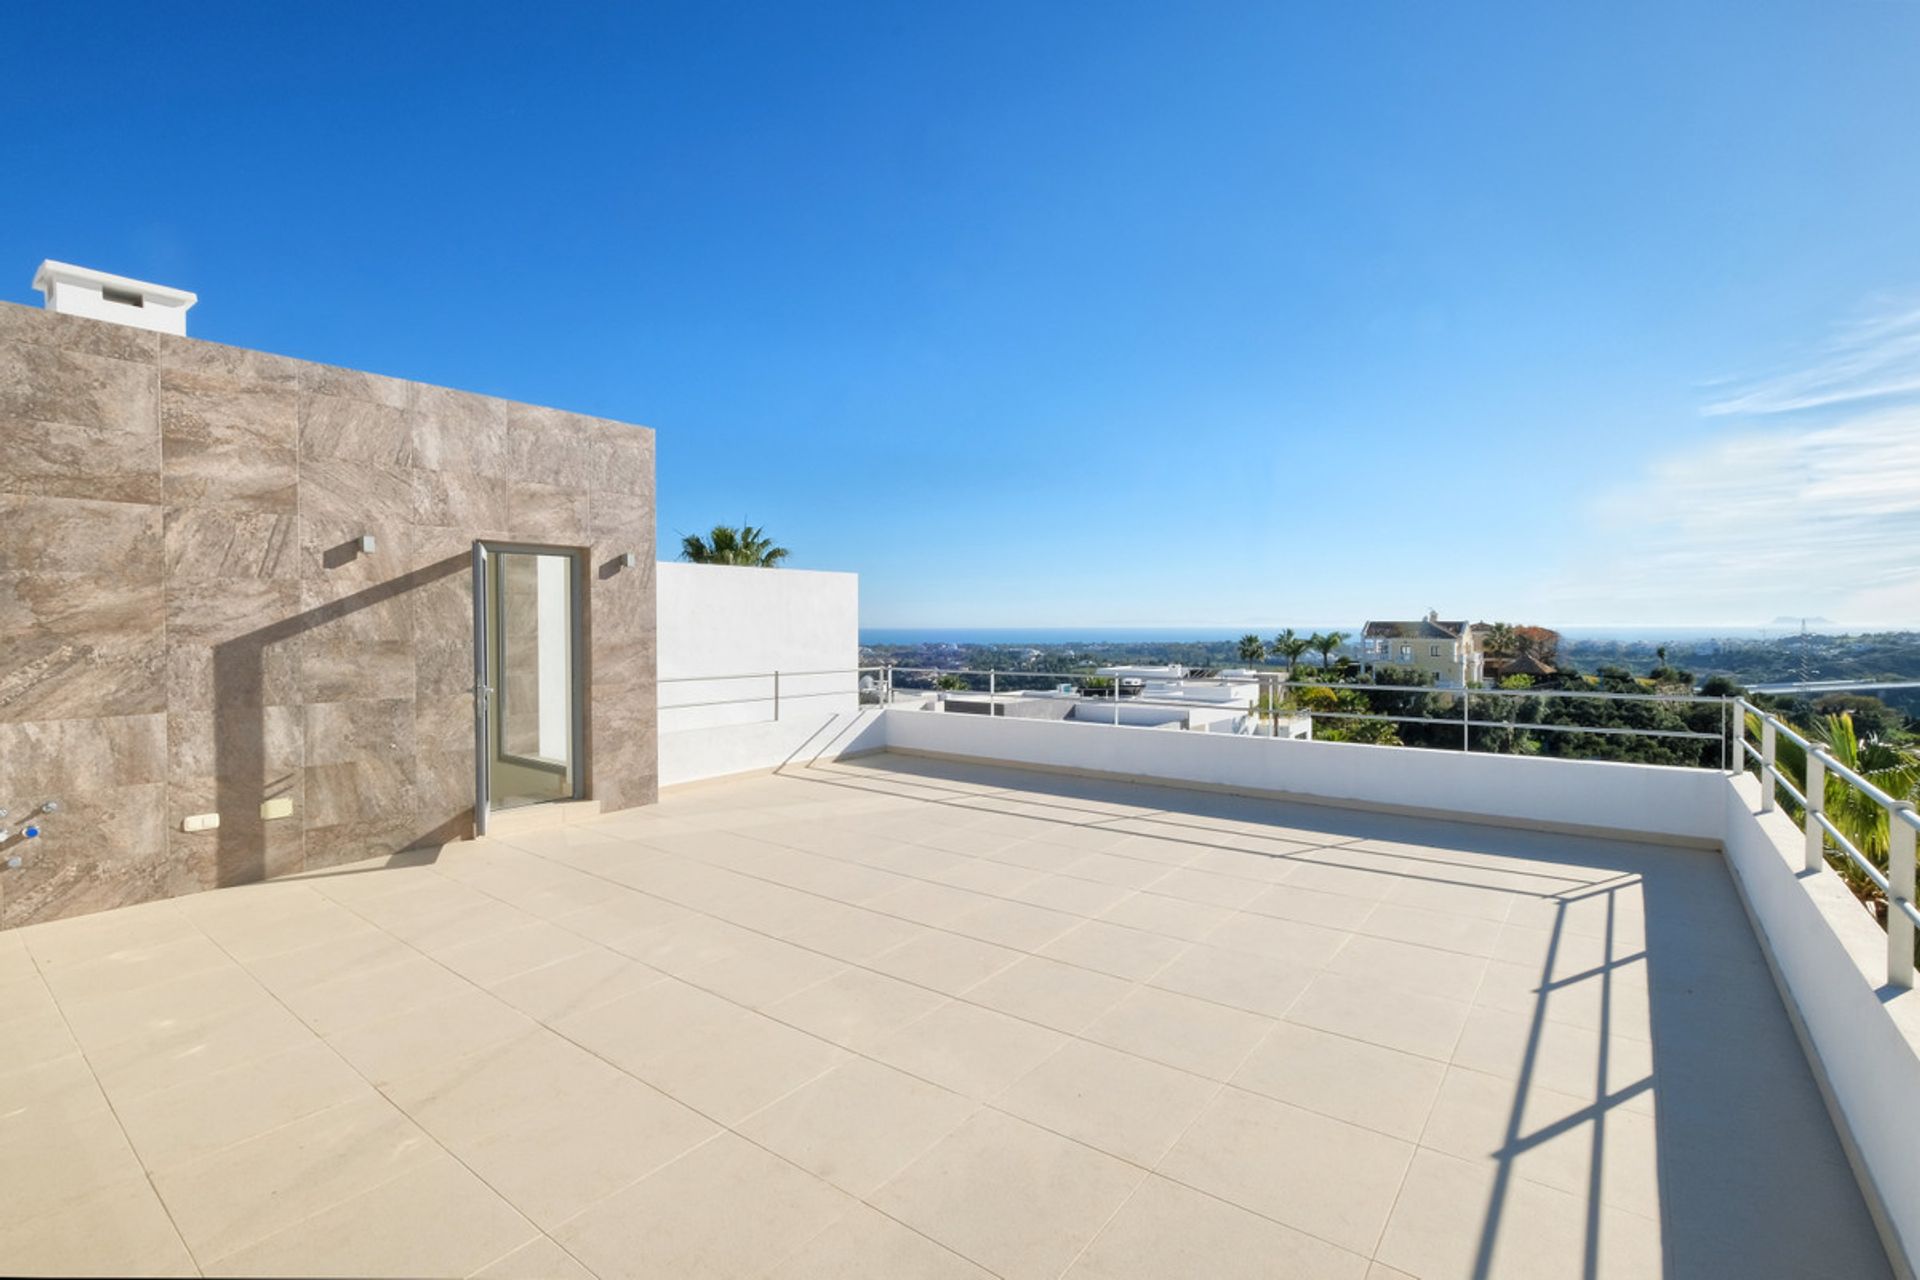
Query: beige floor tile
x,y
367,993
548,1125
61,945
1287,901
580,982
291,924
724,1209
193,1050
764,970
1255,983
1619,1002
117,1229
311,1165
541,1259
968,1049
37,1036
868,1245
1063,996
856,1008
859,1124
1114,868
1168,917
1019,925
1191,884
1073,894
1454,1219
853,934
1011,1197
205,1113
67,1162
724,1061
1549,1137
1417,968
1436,889
1443,930
24,995
1352,1080
121,971
981,875
622,918
151,1010
1382,1013
419,1039
437,1220
1112,1101
1556,1055
490,961
1248,1150
40,1101
1167,1230
1114,949
1180,1031
1306,945
929,903
944,961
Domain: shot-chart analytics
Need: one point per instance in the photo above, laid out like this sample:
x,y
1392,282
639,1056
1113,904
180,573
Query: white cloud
x,y
1869,359
1798,513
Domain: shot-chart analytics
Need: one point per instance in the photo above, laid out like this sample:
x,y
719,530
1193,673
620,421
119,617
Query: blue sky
x,y
1085,315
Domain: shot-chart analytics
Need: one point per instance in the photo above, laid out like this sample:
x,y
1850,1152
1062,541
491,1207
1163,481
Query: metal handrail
x,y
1903,826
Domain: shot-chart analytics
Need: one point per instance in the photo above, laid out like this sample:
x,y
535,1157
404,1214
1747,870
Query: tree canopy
x,y
747,545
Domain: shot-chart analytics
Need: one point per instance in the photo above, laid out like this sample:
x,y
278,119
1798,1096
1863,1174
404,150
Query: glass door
x,y
527,677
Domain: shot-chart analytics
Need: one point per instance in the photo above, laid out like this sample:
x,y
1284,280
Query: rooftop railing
x,y
1822,771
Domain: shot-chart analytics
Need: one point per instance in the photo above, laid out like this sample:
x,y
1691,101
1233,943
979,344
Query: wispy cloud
x,y
1796,513
1866,360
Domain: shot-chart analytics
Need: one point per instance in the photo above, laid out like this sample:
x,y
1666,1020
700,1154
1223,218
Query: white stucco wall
x,y
1830,959
1631,799
722,633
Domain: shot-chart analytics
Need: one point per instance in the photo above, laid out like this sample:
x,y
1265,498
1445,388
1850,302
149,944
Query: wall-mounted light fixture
x,y
628,560
368,544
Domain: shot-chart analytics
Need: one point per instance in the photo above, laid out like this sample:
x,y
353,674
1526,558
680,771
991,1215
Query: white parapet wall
x,y
1648,801
723,634
1862,1036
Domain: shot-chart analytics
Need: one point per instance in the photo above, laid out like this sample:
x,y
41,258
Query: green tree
x,y
1326,645
746,545
1894,771
1291,647
1252,649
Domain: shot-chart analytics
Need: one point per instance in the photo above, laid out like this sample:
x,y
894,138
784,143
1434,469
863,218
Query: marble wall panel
x,y
227,440
198,633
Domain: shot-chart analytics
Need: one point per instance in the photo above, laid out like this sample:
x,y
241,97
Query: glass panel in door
x,y
531,636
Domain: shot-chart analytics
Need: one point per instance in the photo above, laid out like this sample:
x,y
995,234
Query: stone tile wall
x,y
187,626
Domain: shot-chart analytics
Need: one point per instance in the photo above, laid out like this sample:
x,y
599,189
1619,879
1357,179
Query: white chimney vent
x,y
79,291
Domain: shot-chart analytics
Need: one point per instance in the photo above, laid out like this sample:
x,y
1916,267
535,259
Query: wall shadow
x,y
241,780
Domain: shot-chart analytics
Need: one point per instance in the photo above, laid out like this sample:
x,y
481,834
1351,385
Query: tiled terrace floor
x,y
902,1019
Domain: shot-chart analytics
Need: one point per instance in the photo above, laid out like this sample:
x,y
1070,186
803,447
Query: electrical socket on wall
x,y
278,807
200,822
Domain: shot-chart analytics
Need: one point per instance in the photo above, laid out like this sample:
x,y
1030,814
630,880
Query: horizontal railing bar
x,y
768,698
1504,724
768,675
1853,854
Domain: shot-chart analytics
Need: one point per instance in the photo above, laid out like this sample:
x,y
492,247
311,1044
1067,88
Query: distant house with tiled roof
x,y
1447,650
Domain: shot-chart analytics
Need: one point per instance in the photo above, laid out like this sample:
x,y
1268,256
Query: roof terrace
x,y
900,1017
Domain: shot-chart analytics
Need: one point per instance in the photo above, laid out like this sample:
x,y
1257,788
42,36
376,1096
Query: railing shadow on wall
x,y
242,778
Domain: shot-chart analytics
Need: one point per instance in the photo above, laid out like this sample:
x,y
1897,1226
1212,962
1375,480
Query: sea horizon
x,y
1623,633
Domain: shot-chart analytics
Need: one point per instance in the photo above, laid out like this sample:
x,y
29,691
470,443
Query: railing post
x,y
1816,805
776,695
993,680
1116,700
1466,715
1726,732
1900,884
1769,751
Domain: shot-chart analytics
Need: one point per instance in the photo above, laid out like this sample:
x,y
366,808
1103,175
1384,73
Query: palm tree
x,y
1502,640
746,545
1291,647
1894,771
1327,645
1252,649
